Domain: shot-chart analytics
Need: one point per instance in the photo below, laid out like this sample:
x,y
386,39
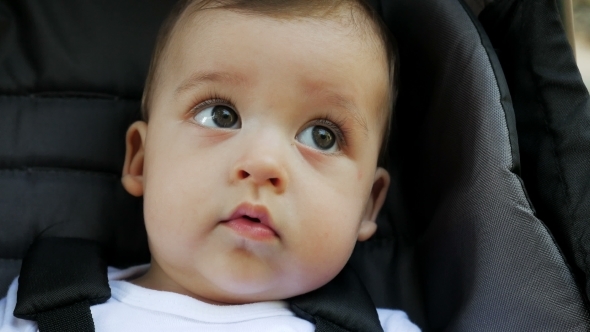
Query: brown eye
x,y
219,116
323,137
224,116
320,138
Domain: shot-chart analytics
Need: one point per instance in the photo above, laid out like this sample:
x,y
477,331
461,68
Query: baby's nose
x,y
262,167
262,172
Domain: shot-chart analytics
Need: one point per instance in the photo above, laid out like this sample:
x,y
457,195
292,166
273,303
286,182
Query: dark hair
x,y
283,9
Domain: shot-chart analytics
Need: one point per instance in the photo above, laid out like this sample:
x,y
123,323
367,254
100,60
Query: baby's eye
x,y
319,137
218,116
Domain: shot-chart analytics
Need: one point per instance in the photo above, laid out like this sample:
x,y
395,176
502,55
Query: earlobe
x,y
375,202
132,177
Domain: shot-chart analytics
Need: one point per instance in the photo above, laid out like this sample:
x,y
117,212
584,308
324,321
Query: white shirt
x,y
134,308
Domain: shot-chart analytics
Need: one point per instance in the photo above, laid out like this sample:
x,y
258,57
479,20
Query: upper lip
x,y
254,211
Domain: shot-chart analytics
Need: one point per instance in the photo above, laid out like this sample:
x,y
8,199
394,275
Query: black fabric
x,y
343,304
322,325
60,168
552,108
70,132
59,273
73,318
71,75
99,47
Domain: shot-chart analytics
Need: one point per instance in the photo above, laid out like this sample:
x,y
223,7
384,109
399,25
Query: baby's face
x,y
258,165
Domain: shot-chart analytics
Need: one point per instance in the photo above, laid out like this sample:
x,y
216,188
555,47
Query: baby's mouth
x,y
251,219
251,228
253,222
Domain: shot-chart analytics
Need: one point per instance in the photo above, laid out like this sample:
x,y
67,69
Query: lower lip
x,y
250,229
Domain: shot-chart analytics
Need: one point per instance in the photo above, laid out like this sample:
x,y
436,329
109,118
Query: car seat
x,y
552,112
458,247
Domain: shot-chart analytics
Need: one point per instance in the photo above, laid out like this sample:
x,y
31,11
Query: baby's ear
x,y
132,177
378,192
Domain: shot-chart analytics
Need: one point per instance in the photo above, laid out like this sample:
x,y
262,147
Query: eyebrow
x,y
202,77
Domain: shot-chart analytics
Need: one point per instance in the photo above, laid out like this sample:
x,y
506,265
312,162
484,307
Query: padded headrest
x,y
552,108
483,260
94,48
71,75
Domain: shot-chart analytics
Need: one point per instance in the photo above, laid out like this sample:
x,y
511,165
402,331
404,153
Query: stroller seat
x,y
459,246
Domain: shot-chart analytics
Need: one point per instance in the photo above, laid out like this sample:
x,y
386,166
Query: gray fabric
x,y
486,263
552,108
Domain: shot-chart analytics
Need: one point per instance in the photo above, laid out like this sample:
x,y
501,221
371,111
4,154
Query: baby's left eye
x,y
319,137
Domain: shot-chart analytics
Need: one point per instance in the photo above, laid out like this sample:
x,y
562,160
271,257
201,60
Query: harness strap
x,y
75,317
60,279
342,305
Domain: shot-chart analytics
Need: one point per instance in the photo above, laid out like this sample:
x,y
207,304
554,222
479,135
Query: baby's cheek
x,y
325,263
330,247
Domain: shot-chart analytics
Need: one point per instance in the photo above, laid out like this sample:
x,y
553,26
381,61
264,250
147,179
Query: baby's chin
x,y
233,290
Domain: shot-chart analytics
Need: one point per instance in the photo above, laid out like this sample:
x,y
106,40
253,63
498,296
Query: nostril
x,y
244,174
274,181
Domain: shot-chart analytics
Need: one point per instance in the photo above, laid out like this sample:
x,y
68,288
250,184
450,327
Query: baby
x,y
258,163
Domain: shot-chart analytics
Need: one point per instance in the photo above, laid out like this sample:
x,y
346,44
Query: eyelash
x,y
336,125
213,98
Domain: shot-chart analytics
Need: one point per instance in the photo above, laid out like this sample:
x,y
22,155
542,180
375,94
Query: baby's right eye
x,y
218,116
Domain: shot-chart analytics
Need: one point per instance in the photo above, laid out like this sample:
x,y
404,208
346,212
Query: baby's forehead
x,y
227,32
339,27
343,33
351,20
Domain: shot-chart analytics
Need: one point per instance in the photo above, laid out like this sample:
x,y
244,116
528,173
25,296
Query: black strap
x,y
60,279
342,305
322,325
75,317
